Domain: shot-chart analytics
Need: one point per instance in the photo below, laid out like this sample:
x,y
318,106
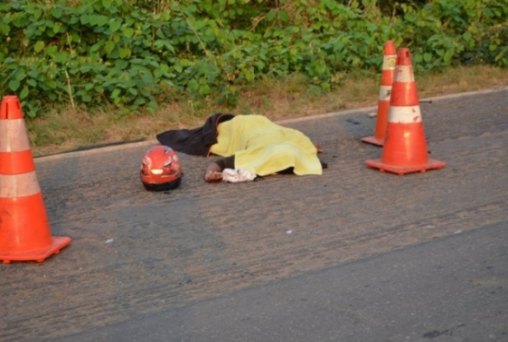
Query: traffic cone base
x,y
405,169
373,141
30,240
56,245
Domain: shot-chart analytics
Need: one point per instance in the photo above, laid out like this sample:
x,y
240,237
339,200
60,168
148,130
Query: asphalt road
x,y
452,289
352,255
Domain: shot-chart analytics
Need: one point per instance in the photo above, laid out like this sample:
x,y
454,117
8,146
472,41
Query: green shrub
x,y
135,55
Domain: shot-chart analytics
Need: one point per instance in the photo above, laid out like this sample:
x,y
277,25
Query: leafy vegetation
x,y
137,55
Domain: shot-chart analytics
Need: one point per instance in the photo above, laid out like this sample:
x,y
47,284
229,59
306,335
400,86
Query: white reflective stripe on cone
x,y
405,114
389,62
22,185
13,136
404,73
385,92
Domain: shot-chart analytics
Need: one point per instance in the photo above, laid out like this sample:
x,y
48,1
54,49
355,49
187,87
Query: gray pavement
x,y
451,289
138,255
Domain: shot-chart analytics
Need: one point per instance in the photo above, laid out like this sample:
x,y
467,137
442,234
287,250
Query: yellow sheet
x,y
263,147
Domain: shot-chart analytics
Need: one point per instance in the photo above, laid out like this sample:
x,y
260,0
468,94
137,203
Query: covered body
x,y
263,147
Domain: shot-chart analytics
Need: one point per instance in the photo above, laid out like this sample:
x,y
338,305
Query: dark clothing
x,y
196,141
226,163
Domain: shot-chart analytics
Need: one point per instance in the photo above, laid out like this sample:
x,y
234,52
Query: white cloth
x,y
237,176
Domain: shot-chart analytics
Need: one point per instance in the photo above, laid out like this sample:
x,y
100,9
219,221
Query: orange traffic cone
x,y
24,231
385,90
405,148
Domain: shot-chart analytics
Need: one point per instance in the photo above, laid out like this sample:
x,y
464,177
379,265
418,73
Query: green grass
x,y
65,129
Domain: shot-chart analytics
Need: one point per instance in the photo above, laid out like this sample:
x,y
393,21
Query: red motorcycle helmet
x,y
160,169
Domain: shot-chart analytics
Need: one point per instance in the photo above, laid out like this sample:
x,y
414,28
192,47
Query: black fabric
x,y
195,141
324,165
226,163
289,170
